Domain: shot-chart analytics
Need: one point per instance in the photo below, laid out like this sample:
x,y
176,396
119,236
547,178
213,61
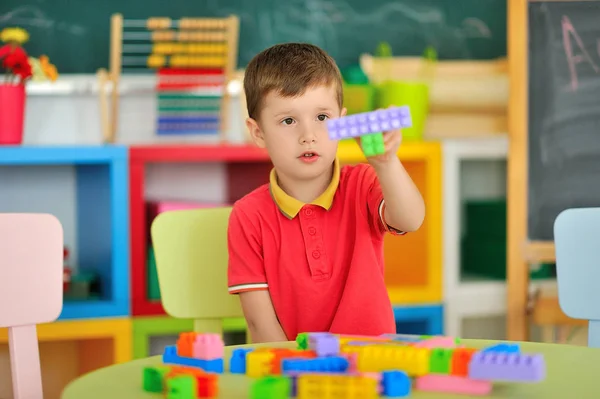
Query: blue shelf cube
x,y
87,188
419,320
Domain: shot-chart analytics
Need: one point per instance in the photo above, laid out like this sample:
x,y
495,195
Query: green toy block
x,y
271,387
302,341
153,378
440,360
182,387
372,144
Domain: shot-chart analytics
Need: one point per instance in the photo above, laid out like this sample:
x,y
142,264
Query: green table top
x,y
572,372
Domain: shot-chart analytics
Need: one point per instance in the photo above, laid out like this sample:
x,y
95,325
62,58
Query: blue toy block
x,y
366,123
101,175
330,364
396,384
503,348
237,363
170,356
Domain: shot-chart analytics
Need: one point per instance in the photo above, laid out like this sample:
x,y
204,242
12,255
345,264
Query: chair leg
x,y
25,362
208,326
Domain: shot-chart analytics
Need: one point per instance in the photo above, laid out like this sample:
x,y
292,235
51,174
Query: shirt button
x,y
312,231
316,254
308,212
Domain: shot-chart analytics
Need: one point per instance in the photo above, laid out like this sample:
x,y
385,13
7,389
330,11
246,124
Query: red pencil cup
x,y
12,113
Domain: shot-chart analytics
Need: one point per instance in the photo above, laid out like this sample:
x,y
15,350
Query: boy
x,y
306,249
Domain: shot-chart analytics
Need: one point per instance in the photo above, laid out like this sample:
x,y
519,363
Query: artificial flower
x,y
49,69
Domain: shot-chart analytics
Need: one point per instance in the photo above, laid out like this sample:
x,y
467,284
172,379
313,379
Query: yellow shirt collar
x,y
290,206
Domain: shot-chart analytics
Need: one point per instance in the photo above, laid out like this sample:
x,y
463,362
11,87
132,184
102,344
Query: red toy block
x,y
459,364
208,386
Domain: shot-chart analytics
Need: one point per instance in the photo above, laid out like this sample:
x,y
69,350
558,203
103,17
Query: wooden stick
x,y
116,42
517,268
104,116
233,24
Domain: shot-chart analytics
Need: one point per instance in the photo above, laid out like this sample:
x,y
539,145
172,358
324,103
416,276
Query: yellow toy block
x,y
258,363
325,386
412,360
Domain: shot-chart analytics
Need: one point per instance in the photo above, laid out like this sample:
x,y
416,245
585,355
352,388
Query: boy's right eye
x,y
287,121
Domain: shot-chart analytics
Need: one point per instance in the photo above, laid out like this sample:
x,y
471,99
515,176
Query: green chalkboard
x,y
75,33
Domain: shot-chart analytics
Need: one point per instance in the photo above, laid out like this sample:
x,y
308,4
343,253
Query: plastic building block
x,y
170,356
461,358
376,358
452,384
440,360
206,383
208,347
237,363
322,386
437,342
271,387
181,387
280,354
259,363
302,340
503,348
369,122
324,344
153,378
509,367
321,364
396,384
184,344
372,144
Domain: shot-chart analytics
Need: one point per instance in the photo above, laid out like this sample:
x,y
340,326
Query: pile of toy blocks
x,y
338,366
190,369
327,366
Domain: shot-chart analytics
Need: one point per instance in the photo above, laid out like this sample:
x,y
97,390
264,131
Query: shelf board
x,y
89,309
80,329
197,153
61,155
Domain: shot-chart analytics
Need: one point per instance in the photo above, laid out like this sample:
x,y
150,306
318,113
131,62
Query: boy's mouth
x,y
308,156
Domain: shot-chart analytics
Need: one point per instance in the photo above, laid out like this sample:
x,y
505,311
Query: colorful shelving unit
x,y
247,168
41,179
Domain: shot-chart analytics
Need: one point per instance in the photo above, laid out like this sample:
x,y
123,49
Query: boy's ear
x,y
255,132
344,111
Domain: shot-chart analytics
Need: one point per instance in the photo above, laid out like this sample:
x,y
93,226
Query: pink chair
x,y
31,291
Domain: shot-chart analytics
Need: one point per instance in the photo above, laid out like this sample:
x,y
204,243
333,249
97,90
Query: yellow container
x,y
413,94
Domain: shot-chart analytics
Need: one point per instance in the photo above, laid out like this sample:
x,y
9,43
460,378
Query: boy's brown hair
x,y
289,69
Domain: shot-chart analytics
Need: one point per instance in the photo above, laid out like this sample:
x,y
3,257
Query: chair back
x,y
190,248
31,291
577,243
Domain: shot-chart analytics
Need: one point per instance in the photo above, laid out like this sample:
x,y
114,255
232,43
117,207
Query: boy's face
x,y
294,131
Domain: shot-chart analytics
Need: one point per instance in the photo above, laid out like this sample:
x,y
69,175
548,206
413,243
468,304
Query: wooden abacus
x,y
195,59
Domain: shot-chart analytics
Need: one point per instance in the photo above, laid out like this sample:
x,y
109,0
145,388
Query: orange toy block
x,y
452,384
185,344
459,364
280,354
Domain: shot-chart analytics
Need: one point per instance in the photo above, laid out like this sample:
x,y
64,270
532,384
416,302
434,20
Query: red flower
x,y
4,50
23,70
15,57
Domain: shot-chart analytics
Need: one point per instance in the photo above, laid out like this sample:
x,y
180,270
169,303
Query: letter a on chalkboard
x,y
573,60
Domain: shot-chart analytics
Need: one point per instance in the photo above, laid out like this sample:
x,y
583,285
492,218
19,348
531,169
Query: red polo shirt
x,y
321,262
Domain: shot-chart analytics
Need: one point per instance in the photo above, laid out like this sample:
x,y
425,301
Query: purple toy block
x,y
369,122
324,344
509,367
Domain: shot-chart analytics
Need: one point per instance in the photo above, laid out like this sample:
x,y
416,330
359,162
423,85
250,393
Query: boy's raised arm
x,y
260,317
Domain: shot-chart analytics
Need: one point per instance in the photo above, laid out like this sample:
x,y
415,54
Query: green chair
x,y
190,247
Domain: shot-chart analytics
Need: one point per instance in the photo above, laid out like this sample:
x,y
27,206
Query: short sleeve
x,y
245,270
376,203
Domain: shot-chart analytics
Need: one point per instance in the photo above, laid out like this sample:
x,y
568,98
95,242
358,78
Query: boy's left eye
x,y
322,117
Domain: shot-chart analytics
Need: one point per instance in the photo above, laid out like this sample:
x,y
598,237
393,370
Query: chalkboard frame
x,y
521,251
